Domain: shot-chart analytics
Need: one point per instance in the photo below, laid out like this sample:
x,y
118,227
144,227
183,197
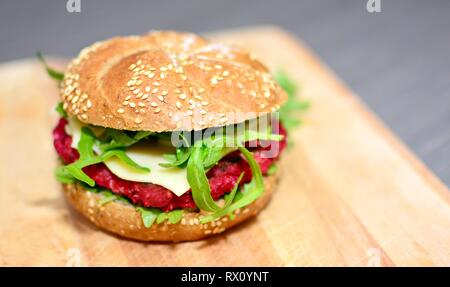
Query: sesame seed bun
x,y
166,81
123,219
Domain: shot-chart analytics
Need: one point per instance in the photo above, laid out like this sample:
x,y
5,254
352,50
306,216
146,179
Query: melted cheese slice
x,y
145,154
150,155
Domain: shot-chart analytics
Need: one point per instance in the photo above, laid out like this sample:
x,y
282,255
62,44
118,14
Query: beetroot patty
x,y
222,177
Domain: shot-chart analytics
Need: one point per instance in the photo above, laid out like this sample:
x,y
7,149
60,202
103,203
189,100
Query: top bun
x,y
166,81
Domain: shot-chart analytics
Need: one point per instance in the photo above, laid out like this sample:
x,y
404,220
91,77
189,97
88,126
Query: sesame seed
x,y
83,116
132,104
182,96
201,90
139,62
178,104
120,111
151,75
141,104
155,90
213,81
147,89
225,73
145,96
125,103
132,67
161,98
153,104
205,103
138,120
164,93
162,75
203,112
163,68
136,91
157,110
88,104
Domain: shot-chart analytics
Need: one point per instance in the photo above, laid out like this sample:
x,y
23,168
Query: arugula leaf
x,y
60,110
88,157
225,209
161,217
201,192
152,215
181,155
148,215
175,216
252,190
108,196
63,176
288,113
119,139
272,169
59,76
121,154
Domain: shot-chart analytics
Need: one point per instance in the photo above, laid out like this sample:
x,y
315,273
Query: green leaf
x,y
289,113
161,217
286,83
254,189
120,139
59,76
87,157
108,196
272,169
63,176
226,208
180,157
148,215
175,216
60,110
121,154
198,181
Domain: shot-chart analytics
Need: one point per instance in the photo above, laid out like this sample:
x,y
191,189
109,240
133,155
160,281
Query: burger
x,y
168,136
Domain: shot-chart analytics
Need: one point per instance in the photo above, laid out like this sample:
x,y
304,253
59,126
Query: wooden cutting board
x,y
352,194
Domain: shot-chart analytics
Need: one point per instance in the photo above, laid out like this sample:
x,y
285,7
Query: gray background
x,y
397,61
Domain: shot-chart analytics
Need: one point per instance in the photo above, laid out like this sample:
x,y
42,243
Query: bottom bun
x,y
123,219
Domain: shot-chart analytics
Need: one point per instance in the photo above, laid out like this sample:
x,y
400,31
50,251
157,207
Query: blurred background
x,y
396,60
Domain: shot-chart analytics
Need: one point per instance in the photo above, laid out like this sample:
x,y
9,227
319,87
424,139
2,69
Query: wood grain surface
x,y
351,195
